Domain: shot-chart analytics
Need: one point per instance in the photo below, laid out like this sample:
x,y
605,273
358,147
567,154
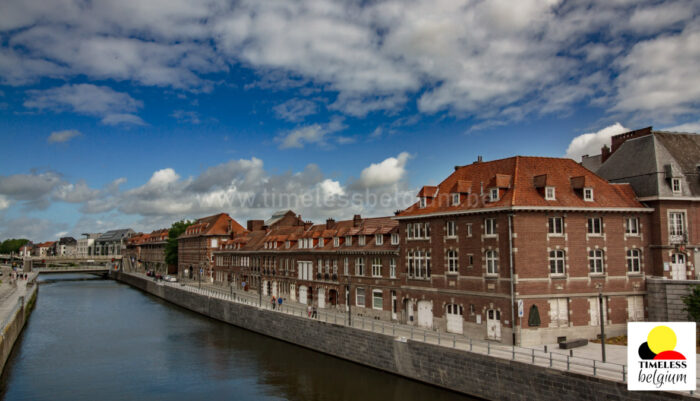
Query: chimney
x,y
356,220
307,225
479,159
330,223
255,225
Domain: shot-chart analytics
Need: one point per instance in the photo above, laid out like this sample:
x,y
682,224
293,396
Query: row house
x,y
333,265
44,249
544,231
65,246
147,252
26,250
196,244
664,170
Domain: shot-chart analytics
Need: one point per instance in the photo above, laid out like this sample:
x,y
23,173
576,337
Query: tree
x,y
692,303
12,245
176,229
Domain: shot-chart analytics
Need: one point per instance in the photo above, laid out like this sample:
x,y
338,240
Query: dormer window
x,y
336,241
455,199
493,194
588,194
321,242
676,185
361,240
378,239
394,239
287,244
348,240
423,202
549,193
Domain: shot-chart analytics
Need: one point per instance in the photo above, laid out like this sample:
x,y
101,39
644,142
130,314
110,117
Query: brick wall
x,y
665,299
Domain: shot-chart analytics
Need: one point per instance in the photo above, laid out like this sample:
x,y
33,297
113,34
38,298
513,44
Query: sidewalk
x,y
9,295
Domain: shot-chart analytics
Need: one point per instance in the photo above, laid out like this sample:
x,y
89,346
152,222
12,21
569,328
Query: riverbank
x,y
15,308
458,370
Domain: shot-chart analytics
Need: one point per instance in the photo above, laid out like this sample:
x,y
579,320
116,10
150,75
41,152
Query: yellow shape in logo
x,y
660,339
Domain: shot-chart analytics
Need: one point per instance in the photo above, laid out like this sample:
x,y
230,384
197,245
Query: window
x,y
320,265
392,268
418,264
451,229
559,312
595,226
378,239
361,240
423,202
549,193
321,242
588,194
556,225
676,221
377,300
490,227
360,297
360,267
676,185
556,262
214,243
348,240
335,267
346,266
493,196
376,267
632,226
395,239
409,231
469,229
455,199
595,261
336,241
634,261
452,261
491,262
470,260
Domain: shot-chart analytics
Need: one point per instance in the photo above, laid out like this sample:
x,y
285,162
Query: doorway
x,y
493,324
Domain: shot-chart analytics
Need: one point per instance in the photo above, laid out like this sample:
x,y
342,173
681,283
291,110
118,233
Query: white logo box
x,y
661,375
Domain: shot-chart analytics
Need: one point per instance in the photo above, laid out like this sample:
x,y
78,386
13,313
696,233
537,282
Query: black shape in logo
x,y
645,352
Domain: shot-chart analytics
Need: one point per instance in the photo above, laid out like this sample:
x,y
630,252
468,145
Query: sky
x,y
126,113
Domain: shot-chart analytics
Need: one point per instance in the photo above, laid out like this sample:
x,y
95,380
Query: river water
x,y
96,339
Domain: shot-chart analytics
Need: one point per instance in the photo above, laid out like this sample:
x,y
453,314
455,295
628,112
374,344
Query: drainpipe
x,y
512,278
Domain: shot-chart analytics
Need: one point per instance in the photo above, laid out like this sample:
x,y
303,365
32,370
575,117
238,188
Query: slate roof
x,y
642,162
515,176
115,235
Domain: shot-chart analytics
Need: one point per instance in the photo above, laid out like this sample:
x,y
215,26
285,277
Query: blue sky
x,y
120,113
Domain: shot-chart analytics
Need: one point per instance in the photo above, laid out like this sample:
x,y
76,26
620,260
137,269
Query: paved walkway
x,y
9,294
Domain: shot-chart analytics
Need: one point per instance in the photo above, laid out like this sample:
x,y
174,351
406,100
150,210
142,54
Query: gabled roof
x,y
516,177
115,235
217,224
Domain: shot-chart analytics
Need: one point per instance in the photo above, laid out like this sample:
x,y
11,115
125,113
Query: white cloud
x,y
186,116
590,143
388,172
63,136
311,134
687,127
295,110
100,101
4,202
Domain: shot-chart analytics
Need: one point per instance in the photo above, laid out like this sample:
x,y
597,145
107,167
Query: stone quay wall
x,y
14,324
464,372
665,299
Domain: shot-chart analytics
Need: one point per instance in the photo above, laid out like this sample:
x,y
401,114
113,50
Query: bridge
x,y
70,269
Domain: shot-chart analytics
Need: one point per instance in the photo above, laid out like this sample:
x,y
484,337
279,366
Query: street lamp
x,y
601,317
347,302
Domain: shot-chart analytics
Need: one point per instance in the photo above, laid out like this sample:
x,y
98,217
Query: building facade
x,y
86,245
66,246
664,170
146,252
112,242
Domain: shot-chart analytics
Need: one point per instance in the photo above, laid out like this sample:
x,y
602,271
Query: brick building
x,y
147,252
196,244
317,264
542,230
664,170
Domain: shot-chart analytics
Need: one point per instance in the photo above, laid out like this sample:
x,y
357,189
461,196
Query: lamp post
x,y
347,301
601,317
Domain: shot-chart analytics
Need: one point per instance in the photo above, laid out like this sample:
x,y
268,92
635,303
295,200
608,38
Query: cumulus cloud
x,y
99,101
590,143
687,127
388,172
295,110
34,229
317,134
63,136
186,116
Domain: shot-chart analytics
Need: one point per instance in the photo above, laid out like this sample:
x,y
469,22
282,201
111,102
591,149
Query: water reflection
x,y
97,339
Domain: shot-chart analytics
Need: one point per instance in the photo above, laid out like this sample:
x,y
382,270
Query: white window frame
x,y
552,223
348,240
557,261
452,261
451,229
360,266
634,261
346,266
588,194
392,268
374,299
394,238
493,195
596,261
591,226
550,193
490,227
376,267
469,229
378,239
423,202
455,199
676,226
676,185
336,242
632,226
361,240
360,294
491,258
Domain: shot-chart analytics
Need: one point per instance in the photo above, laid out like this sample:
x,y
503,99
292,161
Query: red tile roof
x,y
516,176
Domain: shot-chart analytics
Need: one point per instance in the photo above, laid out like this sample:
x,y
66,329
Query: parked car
x,y
172,279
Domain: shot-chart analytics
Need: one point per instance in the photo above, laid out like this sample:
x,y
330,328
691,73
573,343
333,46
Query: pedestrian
x,y
308,310
274,302
314,315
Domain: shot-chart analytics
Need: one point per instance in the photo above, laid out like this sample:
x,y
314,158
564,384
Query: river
x,y
96,339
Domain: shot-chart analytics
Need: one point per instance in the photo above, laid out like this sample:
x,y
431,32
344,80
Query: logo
x,y
661,356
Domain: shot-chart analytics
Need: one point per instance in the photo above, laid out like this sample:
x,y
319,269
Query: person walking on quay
x,y
274,302
308,310
314,313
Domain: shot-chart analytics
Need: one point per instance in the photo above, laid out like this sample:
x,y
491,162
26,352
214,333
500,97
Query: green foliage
x,y
692,303
12,245
176,229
